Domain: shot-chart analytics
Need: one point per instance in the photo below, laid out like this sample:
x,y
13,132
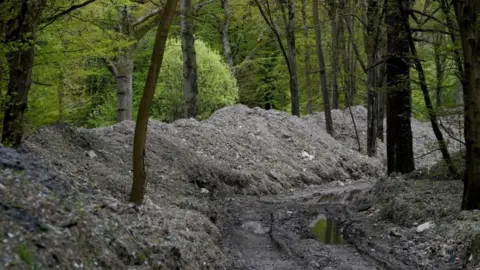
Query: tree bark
x,y
442,144
20,61
467,12
226,48
122,69
371,46
190,84
308,64
140,137
321,62
292,56
336,21
440,72
399,108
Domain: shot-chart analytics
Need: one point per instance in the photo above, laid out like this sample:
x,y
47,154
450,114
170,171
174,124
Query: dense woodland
x,y
90,63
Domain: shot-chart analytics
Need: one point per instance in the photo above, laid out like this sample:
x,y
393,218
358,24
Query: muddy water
x,y
288,233
328,231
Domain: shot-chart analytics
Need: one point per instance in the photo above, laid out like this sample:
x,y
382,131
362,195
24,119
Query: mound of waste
x,y
238,149
425,145
63,198
416,224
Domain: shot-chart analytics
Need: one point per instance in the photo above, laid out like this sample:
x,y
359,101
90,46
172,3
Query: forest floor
x,y
246,189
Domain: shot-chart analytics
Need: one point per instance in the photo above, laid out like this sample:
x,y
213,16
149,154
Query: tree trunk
x,y
190,84
382,94
399,107
371,46
451,29
336,18
20,61
140,137
291,64
122,69
442,144
292,55
467,12
308,65
226,49
440,61
323,77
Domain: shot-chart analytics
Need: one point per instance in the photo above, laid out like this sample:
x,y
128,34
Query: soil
x,y
241,190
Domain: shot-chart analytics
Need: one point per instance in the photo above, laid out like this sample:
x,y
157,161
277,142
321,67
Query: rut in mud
x,y
275,233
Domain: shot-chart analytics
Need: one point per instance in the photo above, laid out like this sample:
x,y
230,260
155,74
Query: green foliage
x,y
217,86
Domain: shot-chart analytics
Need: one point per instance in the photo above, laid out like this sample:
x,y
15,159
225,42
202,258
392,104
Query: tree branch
x,y
53,18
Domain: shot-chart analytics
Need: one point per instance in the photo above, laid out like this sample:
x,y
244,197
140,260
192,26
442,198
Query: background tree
x,y
321,62
190,85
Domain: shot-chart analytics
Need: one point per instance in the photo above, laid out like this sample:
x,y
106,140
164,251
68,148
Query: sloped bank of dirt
x,y
62,199
415,224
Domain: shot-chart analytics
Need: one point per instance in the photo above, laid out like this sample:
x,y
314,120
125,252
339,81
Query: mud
x,y
242,190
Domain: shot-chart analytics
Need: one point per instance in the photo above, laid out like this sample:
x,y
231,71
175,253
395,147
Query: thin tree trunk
x,y
371,45
442,144
61,97
451,29
292,56
226,49
440,71
335,17
190,84
292,70
323,77
399,108
140,137
467,12
308,64
20,63
382,94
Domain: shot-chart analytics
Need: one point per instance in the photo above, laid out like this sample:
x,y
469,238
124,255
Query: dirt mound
x,y
425,146
62,199
46,223
238,149
418,223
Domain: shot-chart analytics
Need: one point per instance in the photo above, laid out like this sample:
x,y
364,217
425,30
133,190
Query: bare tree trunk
x,y
399,107
308,64
442,144
122,69
61,97
440,62
140,138
20,63
292,56
323,77
371,46
451,29
226,49
190,84
467,12
382,94
336,18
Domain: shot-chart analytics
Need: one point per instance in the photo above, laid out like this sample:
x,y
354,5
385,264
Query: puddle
x,y
328,231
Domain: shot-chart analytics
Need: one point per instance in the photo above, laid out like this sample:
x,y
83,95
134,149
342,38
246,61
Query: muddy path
x,y
275,232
